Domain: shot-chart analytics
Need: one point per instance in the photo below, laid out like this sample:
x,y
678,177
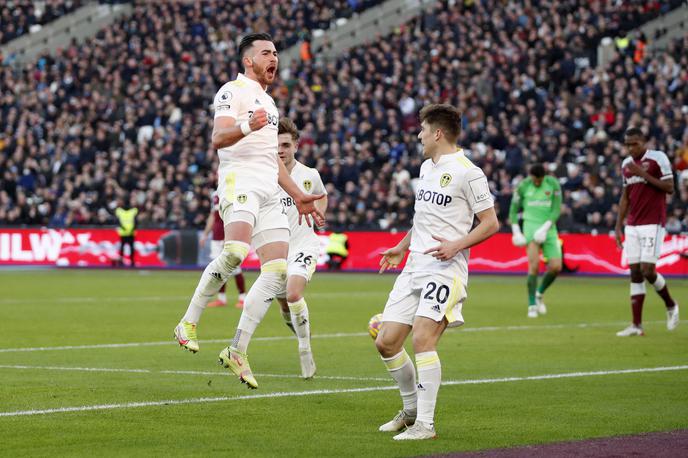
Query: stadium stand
x,y
126,113
17,17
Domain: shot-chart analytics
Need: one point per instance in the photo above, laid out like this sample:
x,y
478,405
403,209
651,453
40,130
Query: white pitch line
x,y
129,405
214,373
134,299
172,342
325,336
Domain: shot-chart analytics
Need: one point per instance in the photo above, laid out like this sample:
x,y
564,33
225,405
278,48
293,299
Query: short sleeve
x,y
319,187
226,102
476,190
665,167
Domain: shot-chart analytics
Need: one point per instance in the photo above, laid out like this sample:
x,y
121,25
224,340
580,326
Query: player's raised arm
x,y
226,132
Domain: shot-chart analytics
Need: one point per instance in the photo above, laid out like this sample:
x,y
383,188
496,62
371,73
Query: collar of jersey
x,y
445,157
248,80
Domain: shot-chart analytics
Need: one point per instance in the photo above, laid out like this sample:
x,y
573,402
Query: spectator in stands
x,y
82,128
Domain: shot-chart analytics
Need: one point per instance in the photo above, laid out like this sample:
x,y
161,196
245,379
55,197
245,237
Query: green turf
x,y
76,308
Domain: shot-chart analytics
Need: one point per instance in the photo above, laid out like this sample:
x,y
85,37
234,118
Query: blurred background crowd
x,y
127,115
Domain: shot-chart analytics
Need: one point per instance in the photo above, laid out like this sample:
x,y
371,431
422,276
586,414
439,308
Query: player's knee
x,y
233,254
293,296
385,347
636,274
554,269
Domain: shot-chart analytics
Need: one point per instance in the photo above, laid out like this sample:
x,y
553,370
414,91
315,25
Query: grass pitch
x,y
88,367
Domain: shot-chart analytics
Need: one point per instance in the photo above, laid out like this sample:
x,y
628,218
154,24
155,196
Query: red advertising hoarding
x,y
165,248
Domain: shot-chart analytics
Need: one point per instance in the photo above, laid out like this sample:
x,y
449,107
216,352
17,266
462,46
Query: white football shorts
x,y
434,295
258,207
643,243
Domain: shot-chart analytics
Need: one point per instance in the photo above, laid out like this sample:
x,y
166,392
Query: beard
x,y
263,76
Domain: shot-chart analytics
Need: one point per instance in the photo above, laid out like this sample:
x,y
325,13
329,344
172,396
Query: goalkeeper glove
x,y
541,234
518,239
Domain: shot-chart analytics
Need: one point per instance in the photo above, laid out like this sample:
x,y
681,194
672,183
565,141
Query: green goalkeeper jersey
x,y
539,203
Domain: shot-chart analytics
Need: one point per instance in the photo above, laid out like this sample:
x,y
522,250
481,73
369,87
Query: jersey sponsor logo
x,y
257,102
287,201
539,203
225,97
635,179
242,198
434,197
307,185
445,179
436,308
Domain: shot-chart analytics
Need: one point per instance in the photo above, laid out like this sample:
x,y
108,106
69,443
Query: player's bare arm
x,y
623,210
226,132
305,203
663,185
392,257
447,249
207,229
321,205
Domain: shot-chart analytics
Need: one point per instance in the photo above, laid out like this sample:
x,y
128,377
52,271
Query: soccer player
x,y
304,246
428,295
250,176
647,179
215,227
540,197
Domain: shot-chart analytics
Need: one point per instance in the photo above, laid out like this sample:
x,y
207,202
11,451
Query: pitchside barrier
x,y
156,248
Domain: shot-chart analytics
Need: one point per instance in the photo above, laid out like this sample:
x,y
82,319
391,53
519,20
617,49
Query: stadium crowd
x,y
18,16
126,114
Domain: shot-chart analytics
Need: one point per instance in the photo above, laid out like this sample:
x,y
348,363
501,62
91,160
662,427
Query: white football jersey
x,y
255,155
448,195
302,236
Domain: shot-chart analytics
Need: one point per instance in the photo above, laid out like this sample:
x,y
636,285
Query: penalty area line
x,y
283,394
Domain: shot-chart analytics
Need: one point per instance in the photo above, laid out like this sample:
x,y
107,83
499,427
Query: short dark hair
x,y
537,170
287,126
248,40
634,132
444,116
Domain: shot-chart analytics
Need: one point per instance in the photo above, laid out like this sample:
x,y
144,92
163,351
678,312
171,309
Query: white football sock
x,y
429,379
402,371
260,296
299,319
214,276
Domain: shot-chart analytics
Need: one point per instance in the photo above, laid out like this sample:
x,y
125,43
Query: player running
x,y
304,246
250,176
215,227
539,196
428,295
647,179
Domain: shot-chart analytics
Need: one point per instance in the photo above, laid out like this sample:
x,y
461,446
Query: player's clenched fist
x,y
258,120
